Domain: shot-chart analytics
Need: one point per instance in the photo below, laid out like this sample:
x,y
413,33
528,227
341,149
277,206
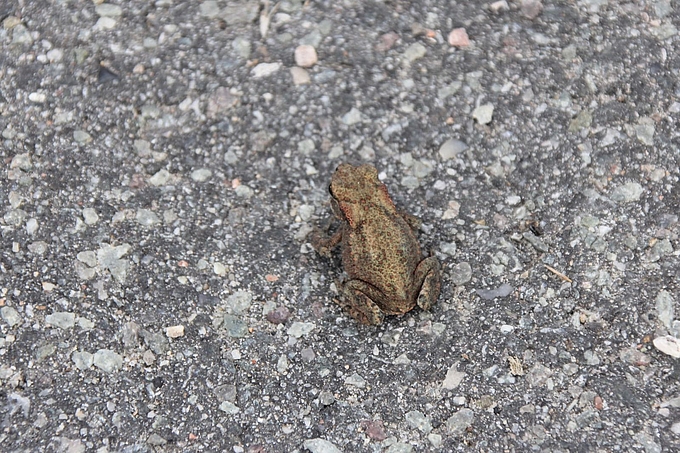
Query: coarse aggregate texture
x,y
163,163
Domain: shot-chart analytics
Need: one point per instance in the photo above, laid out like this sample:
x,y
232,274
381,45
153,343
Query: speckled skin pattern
x,y
380,252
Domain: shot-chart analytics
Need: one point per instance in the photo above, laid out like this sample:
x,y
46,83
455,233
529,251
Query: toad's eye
x,y
330,189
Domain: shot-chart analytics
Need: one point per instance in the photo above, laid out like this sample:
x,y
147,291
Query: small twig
x,y
558,273
266,17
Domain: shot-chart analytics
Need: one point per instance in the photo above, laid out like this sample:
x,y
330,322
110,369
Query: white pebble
x,y
38,98
265,69
174,331
31,226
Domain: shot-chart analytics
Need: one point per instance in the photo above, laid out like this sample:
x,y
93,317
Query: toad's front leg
x,y
323,244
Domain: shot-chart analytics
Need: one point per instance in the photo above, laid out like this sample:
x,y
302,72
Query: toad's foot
x,y
357,301
428,274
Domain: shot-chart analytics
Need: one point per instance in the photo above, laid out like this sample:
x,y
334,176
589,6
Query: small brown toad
x,y
380,252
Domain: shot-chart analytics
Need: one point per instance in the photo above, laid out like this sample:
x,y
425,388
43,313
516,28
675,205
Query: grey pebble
x,y
483,114
665,31
588,418
201,175
410,182
448,248
538,375
16,401
419,421
319,445
130,335
355,380
156,440
21,35
422,168
240,12
590,221
662,8
306,146
15,200
160,178
634,357
325,76
570,369
143,148
665,307
453,377
108,360
45,351
307,354
312,39
226,392
31,226
21,161
169,216
90,216
458,422
502,291
583,120
61,319
282,364
326,398
659,250
82,137
235,326
110,258
591,358
300,329
243,191
239,302
393,129
627,193
461,273
155,341
414,52
14,217
88,257
306,212
108,10
645,131
449,90
536,241
242,47
209,9
85,323
647,442
10,315
83,271
325,27
83,360
147,217
451,148
229,407
400,447
610,137
352,117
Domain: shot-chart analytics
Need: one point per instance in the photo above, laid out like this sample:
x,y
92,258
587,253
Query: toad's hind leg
x,y
357,298
428,277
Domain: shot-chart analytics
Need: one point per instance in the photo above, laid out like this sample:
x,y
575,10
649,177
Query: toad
x,y
380,252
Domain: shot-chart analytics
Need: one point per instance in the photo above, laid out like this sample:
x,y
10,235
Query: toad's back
x,y
383,251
